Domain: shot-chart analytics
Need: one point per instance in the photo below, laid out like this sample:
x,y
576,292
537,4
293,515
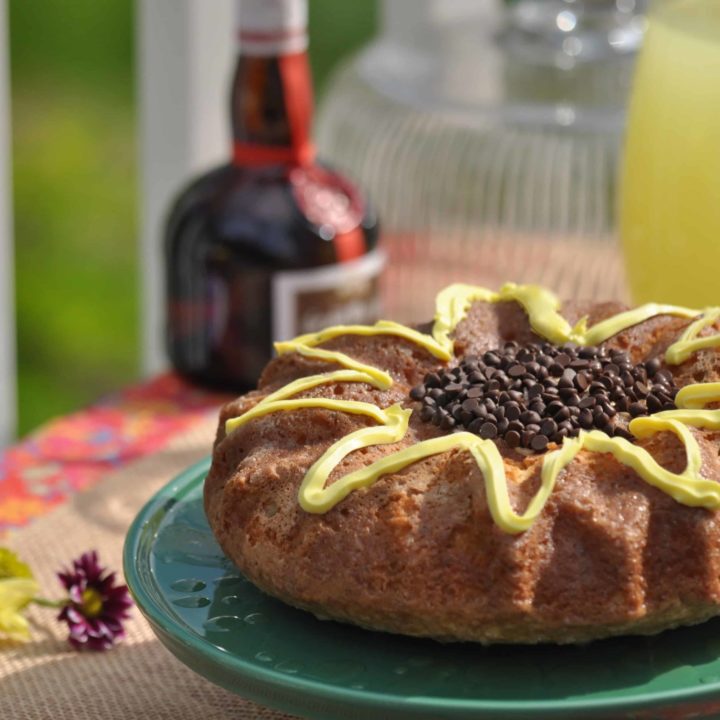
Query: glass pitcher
x,y
488,135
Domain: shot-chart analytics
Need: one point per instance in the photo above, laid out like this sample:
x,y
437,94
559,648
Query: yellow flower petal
x,y
11,566
15,594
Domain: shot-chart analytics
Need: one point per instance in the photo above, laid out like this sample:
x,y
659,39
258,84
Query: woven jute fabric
x,y
45,678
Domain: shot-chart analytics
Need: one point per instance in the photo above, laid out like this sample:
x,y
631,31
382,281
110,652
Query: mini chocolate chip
x,y
654,404
548,427
572,399
601,420
569,374
539,443
586,419
426,413
588,401
652,366
663,376
516,425
418,392
512,411
513,438
453,388
534,390
582,381
475,425
637,409
623,433
527,437
488,431
525,354
530,417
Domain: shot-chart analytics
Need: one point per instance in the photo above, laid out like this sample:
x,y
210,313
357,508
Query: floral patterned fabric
x,y
72,453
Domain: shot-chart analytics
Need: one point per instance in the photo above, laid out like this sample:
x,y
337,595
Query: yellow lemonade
x,y
670,205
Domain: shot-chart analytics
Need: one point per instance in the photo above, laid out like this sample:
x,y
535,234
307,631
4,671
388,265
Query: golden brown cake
x,y
625,541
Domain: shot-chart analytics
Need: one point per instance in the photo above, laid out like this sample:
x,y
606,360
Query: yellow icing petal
x,y
542,308
644,427
606,329
311,381
383,327
690,401
688,487
452,305
698,395
348,406
689,342
336,357
314,497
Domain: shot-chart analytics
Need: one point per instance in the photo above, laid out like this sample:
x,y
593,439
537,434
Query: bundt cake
x,y
511,472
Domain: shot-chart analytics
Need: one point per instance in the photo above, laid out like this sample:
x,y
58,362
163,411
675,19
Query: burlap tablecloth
x,y
44,678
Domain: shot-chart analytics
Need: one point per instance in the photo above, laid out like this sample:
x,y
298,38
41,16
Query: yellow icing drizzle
x,y
542,307
379,376
689,342
382,327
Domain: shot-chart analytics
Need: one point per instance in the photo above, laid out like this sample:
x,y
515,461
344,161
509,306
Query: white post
x,y
8,397
185,62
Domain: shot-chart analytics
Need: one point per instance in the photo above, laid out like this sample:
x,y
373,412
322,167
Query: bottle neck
x,y
272,99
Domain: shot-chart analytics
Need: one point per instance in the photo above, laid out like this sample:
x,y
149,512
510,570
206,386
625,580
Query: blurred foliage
x,y
75,175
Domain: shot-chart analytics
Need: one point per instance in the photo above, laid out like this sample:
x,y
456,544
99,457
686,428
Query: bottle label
x,y
343,294
272,27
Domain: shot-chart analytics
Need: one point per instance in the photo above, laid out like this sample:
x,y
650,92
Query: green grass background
x,y
75,190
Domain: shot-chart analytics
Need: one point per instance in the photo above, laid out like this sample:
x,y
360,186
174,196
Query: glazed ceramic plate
x,y
221,626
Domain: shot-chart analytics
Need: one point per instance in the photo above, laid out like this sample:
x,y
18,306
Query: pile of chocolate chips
x,y
535,394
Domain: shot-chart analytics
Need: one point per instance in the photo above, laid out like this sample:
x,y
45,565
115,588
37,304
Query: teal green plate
x,y
216,622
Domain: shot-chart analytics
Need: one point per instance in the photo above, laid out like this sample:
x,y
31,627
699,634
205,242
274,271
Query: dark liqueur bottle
x,y
273,244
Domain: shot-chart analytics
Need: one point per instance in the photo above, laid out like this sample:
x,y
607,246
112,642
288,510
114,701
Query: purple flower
x,y
96,607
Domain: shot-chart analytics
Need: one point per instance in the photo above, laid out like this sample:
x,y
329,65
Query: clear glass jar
x,y
488,135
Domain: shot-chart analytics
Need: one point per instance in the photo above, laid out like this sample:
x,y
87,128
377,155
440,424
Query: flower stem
x,y
44,602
